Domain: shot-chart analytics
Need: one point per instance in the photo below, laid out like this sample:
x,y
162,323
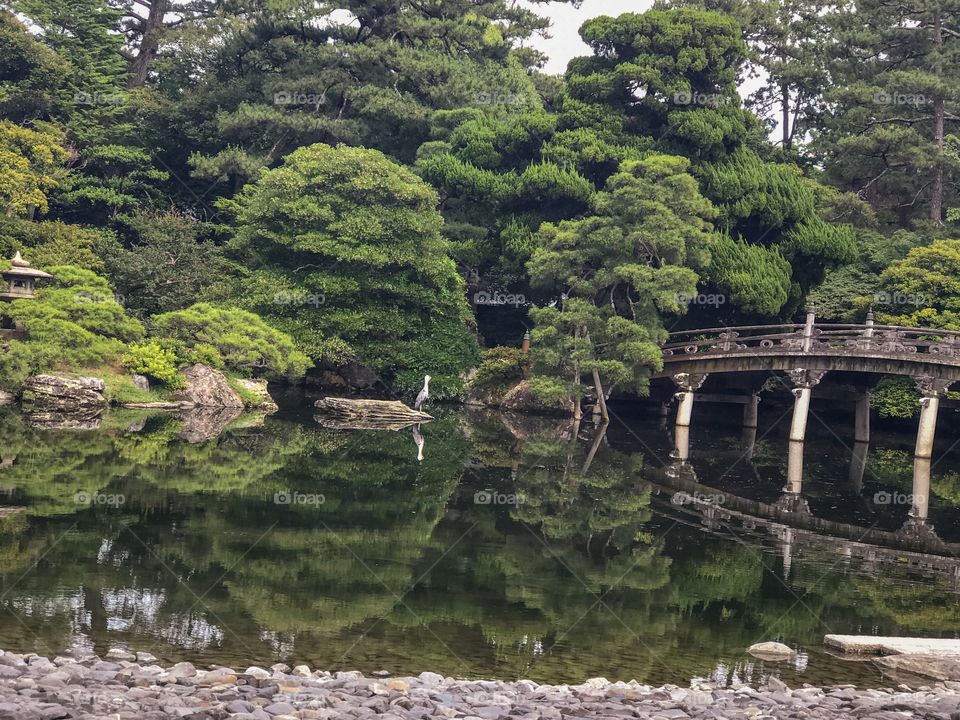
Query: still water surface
x,y
507,552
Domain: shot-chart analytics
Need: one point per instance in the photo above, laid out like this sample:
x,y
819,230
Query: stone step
x,y
869,644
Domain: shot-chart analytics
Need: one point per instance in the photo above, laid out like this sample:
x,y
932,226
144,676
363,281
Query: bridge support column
x,y
803,381
932,389
688,383
920,508
794,468
801,409
748,442
858,465
861,429
751,411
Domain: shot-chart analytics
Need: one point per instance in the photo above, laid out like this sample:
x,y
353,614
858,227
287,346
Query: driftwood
x,y
349,414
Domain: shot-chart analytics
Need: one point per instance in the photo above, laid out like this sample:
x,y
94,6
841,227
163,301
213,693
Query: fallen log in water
x,y
349,414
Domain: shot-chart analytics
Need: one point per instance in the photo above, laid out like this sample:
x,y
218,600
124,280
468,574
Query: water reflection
x,y
512,547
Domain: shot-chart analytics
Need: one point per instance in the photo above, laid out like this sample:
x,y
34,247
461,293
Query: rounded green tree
x,y
344,251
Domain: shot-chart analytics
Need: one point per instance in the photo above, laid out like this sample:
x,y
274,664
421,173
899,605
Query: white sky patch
x,y
566,43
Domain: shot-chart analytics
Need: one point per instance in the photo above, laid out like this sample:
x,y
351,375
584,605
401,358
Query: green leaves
x,y
923,289
152,360
756,278
344,252
76,322
226,338
617,270
31,164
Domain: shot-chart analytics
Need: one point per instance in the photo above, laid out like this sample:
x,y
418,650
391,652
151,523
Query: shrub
x,y
154,361
500,367
230,339
896,397
74,323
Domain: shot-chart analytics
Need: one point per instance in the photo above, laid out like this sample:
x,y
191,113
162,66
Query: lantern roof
x,y
21,268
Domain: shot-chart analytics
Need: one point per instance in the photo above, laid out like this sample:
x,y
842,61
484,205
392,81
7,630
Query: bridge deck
x,y
882,349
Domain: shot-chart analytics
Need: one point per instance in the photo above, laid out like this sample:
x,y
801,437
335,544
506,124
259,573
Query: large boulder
x,y
56,395
206,387
258,388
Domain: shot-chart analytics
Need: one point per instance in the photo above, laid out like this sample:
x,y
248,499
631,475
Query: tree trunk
x,y
577,409
149,43
598,386
936,194
785,116
597,440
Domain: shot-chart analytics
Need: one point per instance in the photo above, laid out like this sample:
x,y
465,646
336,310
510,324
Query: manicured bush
x,y
154,361
500,367
229,339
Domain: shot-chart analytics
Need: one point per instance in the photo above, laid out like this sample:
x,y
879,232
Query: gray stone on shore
x,y
259,389
207,388
47,397
85,688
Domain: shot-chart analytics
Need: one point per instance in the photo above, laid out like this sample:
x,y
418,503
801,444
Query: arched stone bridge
x,y
806,352
870,348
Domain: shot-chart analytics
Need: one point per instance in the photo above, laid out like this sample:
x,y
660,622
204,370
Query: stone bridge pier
x,y
804,352
803,381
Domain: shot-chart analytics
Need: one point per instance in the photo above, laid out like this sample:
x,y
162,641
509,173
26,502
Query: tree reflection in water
x,y
223,551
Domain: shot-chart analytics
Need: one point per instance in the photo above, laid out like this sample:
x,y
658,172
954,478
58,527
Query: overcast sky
x,y
566,43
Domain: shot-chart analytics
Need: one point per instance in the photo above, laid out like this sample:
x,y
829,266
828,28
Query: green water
x,y
577,567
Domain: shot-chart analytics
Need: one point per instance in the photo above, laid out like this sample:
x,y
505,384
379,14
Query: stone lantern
x,y
20,280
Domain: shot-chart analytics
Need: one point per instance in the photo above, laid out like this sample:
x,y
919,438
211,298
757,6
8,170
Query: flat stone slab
x,y
868,644
932,667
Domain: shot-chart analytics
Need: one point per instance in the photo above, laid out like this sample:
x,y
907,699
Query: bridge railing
x,y
831,338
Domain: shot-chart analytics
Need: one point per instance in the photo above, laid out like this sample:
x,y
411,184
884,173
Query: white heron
x,y
424,394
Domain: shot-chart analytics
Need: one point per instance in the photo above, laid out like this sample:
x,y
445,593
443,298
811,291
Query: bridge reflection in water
x,y
800,355
678,494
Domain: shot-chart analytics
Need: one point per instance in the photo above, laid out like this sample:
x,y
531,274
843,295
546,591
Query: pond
x,y
508,551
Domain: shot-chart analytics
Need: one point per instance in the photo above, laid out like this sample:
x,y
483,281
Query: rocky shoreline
x,y
124,686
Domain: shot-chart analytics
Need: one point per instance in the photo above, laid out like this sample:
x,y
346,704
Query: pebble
x,y
35,688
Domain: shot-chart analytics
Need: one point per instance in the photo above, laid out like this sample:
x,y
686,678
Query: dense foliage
x,y
389,184
344,250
